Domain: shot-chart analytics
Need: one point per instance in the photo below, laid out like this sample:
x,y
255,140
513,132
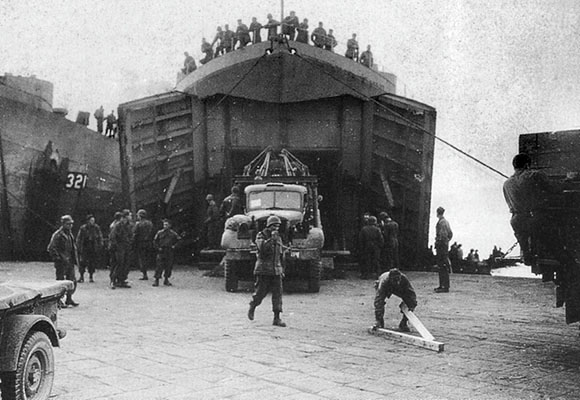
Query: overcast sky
x,y
492,69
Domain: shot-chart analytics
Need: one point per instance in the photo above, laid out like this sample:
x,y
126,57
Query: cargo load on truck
x,y
276,184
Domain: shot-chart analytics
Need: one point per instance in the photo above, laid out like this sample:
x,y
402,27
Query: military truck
x,y
276,184
556,154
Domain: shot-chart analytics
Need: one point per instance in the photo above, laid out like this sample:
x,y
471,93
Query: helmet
x,y
66,218
372,220
142,213
209,197
273,219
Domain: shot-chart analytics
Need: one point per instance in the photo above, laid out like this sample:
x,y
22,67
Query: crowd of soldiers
x,y
129,243
226,40
378,245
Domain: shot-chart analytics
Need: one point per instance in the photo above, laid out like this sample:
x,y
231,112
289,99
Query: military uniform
x,y
389,283
219,41
165,241
120,241
443,235
366,58
243,35
63,251
352,49
289,25
255,28
390,231
272,27
229,40
89,243
269,270
370,243
318,37
302,36
143,240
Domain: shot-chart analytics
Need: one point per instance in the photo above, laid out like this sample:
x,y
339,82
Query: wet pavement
x,y
504,339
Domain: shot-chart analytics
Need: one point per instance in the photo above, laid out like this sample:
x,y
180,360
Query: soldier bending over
x,y
389,283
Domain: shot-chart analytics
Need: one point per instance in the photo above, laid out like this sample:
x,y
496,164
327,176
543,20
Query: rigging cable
x,y
414,124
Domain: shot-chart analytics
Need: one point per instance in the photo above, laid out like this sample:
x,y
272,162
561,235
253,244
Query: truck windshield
x,y
274,200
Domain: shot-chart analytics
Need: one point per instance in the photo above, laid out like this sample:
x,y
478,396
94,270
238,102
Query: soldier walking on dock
x,y
165,241
63,250
120,241
269,270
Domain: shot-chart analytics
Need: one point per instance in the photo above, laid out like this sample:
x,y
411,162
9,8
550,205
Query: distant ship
x,y
50,166
371,149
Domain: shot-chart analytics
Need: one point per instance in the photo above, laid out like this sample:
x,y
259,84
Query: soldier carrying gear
x,y
269,270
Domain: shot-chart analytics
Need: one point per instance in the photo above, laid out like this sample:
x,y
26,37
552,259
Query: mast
x,y
281,11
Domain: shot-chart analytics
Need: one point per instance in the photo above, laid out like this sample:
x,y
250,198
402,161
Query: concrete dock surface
x,y
504,339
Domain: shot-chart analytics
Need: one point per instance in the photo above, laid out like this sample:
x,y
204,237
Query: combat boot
x,y
278,321
81,279
167,283
251,311
403,327
156,283
380,323
91,280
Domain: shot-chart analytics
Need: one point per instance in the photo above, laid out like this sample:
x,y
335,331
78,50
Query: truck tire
x,y
314,275
34,375
231,275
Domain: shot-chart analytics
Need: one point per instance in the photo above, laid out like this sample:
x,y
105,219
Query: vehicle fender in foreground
x,y
15,328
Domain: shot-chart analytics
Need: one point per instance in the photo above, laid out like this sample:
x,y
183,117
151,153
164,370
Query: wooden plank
x,y
172,185
403,337
417,324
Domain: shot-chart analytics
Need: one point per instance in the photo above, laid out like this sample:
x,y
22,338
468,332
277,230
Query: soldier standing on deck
x,y
352,48
120,241
370,244
143,240
63,251
289,25
330,42
302,36
255,28
272,27
366,58
242,34
318,36
269,271
229,39
443,235
165,241
89,244
100,116
219,41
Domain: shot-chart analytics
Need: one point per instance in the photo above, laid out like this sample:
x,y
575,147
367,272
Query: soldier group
x,y
226,40
378,245
111,127
128,243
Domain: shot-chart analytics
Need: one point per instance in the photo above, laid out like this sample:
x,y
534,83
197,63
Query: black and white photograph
x,y
298,200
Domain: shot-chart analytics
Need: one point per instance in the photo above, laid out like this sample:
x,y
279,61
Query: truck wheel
x,y
314,274
34,375
231,274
